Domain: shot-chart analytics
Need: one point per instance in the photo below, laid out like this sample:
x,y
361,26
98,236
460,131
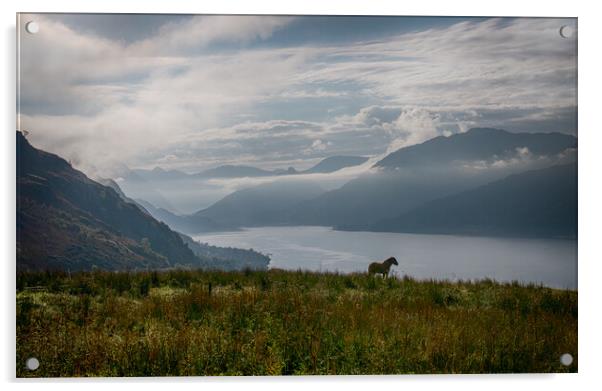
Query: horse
x,y
382,268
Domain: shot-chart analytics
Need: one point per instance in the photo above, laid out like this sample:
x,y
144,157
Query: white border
x,y
590,195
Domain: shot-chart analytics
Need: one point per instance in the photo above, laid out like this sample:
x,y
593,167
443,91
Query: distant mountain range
x,y
540,203
234,172
482,182
439,167
143,182
405,181
181,193
267,204
327,165
335,163
191,224
67,221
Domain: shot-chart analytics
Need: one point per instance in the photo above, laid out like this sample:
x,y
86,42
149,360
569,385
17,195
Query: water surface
x,y
549,262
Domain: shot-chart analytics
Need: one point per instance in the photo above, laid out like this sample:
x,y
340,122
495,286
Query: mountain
x,y
228,258
159,174
439,167
142,183
288,171
190,224
189,193
335,163
327,165
220,258
266,204
229,171
475,145
66,221
176,222
400,182
539,203
113,185
375,196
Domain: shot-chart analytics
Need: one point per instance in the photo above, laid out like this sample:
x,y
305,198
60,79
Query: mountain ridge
x,y
435,168
395,188
534,203
477,144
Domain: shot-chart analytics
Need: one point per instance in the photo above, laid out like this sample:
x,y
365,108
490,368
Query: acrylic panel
x,y
203,195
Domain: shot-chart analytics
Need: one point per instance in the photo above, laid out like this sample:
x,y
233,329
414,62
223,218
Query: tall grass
x,y
286,323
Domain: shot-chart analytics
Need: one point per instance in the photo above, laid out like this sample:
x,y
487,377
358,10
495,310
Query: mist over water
x,y
550,262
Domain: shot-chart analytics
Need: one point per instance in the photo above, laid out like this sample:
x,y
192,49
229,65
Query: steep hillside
x,y
67,221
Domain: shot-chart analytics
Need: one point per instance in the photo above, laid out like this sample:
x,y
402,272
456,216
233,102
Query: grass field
x,y
286,323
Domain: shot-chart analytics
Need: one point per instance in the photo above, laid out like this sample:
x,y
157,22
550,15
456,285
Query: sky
x,y
194,92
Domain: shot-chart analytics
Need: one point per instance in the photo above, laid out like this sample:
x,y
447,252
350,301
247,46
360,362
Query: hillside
x,y
66,221
375,196
266,204
400,182
478,144
534,203
191,224
113,185
436,168
228,258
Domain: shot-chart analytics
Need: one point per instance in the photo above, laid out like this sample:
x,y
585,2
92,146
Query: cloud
x,y
319,145
66,72
492,63
98,103
182,37
202,91
401,126
521,159
328,181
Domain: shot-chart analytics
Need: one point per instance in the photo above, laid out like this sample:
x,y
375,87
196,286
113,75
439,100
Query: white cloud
x,y
328,181
493,63
413,126
521,158
200,31
403,126
319,145
102,103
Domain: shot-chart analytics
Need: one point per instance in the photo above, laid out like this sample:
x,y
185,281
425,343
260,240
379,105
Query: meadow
x,y
181,323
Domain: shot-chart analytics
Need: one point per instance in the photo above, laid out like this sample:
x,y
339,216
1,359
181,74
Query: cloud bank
x,y
209,90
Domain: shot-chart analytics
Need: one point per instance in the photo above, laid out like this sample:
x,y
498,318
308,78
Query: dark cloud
x,y
125,28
